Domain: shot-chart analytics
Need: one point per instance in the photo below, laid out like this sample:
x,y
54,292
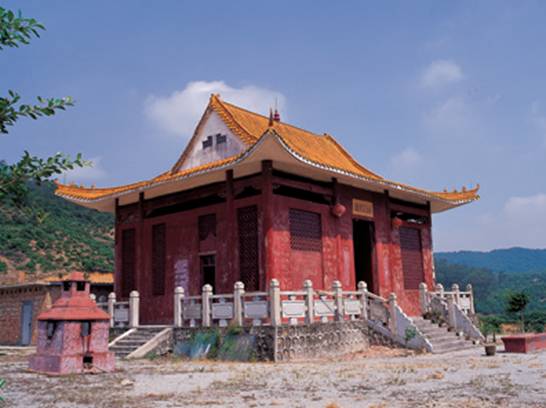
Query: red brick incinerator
x,y
73,334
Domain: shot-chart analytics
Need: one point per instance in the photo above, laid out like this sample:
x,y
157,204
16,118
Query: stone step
x,y
442,337
134,340
142,338
131,343
447,349
446,340
442,340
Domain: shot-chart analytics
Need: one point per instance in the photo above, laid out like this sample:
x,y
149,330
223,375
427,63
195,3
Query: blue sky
x,y
436,94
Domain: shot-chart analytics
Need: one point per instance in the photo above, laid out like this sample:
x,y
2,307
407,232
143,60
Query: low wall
x,y
279,343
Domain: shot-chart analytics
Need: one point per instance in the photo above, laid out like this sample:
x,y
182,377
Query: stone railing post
x,y
363,289
471,298
423,297
238,292
178,301
205,305
338,298
456,294
440,290
275,302
392,313
451,320
111,306
134,308
309,301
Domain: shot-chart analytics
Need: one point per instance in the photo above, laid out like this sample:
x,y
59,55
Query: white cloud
x,y
86,174
531,207
538,118
440,73
520,221
452,117
406,161
179,112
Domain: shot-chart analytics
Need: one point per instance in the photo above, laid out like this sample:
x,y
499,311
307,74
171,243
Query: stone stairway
x,y
440,338
133,341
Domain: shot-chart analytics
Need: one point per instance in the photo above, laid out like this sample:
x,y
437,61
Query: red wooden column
x,y
339,254
232,275
140,269
117,252
267,259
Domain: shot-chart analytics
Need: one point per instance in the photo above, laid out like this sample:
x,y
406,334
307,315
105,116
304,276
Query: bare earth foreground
x,y
379,378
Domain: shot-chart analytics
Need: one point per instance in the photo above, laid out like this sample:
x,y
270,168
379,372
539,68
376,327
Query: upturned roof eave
x,y
441,204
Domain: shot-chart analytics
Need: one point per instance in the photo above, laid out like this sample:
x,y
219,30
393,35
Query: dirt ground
x,y
377,378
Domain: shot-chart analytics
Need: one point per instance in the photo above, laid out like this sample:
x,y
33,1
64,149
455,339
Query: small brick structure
x,y
524,343
73,334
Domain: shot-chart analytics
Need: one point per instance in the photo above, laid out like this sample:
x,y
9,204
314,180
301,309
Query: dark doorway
x,y
208,270
364,244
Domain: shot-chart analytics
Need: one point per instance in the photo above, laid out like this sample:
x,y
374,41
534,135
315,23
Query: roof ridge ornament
x,y
271,120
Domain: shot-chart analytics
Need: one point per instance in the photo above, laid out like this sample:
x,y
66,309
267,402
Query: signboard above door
x,y
362,208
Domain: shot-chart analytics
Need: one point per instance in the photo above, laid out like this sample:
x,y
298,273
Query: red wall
x,y
277,260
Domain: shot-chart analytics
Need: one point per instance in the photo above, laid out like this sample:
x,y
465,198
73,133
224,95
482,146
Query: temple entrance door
x,y
364,252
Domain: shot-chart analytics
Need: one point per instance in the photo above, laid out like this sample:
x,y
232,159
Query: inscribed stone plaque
x,y
256,309
222,310
351,306
181,273
324,307
121,314
363,208
192,311
293,308
464,303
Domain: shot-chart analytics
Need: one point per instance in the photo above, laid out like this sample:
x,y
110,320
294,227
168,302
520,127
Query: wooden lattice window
x,y
127,261
412,257
158,259
305,230
247,221
207,226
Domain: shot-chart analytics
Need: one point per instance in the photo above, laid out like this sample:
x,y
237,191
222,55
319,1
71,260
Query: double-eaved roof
x,y
289,147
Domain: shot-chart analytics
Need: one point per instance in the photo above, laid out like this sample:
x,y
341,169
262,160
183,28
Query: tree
x,y
517,302
16,30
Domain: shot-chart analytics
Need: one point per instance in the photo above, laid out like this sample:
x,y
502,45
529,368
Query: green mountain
x,y
49,235
512,260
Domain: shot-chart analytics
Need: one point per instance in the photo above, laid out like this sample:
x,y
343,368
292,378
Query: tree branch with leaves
x,y
16,30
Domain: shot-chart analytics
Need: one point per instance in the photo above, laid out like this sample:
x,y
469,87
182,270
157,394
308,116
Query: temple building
x,y
252,198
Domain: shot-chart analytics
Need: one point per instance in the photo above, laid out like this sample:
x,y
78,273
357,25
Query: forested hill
x,y
512,260
48,235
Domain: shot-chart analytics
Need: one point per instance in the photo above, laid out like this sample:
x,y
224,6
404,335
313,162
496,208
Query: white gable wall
x,y
212,126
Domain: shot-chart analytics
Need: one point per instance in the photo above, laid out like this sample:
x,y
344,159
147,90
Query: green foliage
x,y
14,177
16,30
2,383
52,234
491,288
494,288
410,334
3,267
517,302
10,111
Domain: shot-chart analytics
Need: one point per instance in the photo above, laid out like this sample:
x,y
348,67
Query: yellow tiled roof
x,y
249,127
93,277
319,149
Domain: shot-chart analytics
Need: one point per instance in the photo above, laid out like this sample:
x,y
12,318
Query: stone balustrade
x,y
122,314
276,307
